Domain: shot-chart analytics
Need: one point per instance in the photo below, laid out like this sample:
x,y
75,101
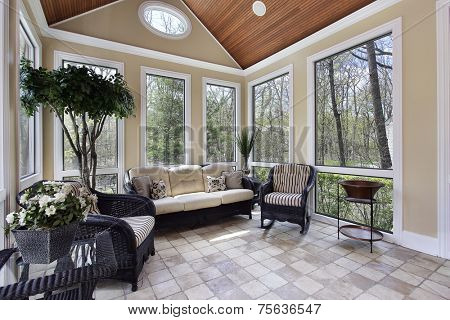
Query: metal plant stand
x,y
361,192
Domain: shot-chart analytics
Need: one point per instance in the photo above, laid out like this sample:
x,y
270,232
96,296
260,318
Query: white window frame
x,y
58,156
187,110
237,124
37,146
394,27
289,69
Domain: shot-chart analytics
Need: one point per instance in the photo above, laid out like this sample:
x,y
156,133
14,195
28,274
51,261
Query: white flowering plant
x,y
50,204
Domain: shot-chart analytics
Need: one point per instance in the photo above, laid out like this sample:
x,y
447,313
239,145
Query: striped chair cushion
x,y
290,178
142,226
284,199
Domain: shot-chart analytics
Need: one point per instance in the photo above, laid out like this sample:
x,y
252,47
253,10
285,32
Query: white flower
x,y
43,200
50,211
23,198
60,197
22,216
10,217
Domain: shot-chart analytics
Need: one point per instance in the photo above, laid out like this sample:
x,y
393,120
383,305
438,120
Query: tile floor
x,y
235,259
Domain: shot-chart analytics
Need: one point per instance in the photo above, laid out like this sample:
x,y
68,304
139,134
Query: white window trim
x,y
394,27
27,181
169,9
237,87
187,110
289,69
58,158
443,134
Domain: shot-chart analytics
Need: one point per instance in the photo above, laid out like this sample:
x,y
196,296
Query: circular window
x,y
164,20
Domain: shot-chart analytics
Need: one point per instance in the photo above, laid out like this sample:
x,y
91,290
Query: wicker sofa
x,y
188,203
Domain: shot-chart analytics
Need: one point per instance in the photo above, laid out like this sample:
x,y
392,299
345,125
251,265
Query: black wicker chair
x,y
284,196
113,209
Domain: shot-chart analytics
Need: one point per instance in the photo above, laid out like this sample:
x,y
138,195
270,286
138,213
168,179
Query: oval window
x,y
164,20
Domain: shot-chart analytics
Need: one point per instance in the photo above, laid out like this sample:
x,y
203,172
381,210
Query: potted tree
x,y
45,226
85,97
245,144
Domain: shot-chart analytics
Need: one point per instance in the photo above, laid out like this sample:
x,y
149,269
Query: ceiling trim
x,y
343,23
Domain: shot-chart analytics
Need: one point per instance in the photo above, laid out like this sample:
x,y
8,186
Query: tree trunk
x,y
336,114
382,141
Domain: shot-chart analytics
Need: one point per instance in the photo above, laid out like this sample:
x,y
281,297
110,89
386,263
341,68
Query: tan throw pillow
x,y
158,190
216,184
233,180
142,185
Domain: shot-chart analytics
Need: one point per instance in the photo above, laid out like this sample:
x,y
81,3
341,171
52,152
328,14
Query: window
x,y
271,117
354,127
221,119
27,125
166,117
110,143
164,20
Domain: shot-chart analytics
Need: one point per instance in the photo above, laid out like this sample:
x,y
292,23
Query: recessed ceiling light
x,y
259,8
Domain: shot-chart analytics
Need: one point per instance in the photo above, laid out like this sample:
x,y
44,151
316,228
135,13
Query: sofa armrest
x,y
125,205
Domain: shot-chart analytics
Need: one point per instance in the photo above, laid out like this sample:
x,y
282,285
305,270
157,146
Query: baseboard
x,y
419,242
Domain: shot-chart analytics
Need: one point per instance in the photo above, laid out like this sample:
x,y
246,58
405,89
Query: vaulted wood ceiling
x,y
250,39
247,37
59,10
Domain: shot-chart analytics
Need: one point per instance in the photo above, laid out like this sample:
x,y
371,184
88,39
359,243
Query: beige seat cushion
x,y
214,170
234,195
168,205
155,173
186,179
199,200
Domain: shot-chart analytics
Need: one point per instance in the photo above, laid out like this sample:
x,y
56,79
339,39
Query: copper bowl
x,y
361,189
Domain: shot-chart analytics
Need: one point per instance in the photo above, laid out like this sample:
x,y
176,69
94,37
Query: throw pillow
x,y
158,190
233,180
142,185
216,184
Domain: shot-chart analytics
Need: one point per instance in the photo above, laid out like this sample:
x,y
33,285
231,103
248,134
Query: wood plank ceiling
x,y
250,39
59,10
247,37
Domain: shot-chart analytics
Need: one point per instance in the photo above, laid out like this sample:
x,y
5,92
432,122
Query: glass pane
x,y
164,21
27,156
165,120
354,115
271,120
326,201
220,123
262,173
106,183
107,149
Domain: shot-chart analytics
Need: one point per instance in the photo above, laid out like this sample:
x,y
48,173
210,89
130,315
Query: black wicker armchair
x,y
284,196
130,220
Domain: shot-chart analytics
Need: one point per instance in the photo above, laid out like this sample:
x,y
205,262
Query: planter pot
x,y
45,246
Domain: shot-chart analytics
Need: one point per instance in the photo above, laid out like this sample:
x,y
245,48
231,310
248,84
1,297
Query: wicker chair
x,y
285,194
132,232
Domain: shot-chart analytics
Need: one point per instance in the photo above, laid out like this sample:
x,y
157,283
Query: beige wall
x,y
419,95
132,70
419,104
120,22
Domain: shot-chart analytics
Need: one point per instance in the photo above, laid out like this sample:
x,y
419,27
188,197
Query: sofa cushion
x,y
199,200
214,170
233,179
234,195
216,184
284,199
186,179
168,205
290,178
142,185
158,190
142,226
155,173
